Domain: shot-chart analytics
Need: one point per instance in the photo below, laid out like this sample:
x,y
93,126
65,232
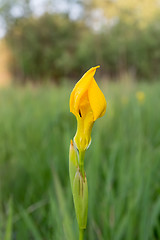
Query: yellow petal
x,y
82,138
80,88
87,103
97,100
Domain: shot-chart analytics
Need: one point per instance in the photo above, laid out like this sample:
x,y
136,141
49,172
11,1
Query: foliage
x,y
53,47
122,165
140,11
44,48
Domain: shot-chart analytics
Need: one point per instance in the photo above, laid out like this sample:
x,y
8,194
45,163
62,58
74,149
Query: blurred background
x,y
45,48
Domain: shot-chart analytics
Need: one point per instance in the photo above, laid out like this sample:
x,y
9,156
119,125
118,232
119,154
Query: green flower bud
x,y
73,163
79,186
80,197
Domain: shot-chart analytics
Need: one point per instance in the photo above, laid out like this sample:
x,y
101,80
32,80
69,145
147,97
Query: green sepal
x,y
80,197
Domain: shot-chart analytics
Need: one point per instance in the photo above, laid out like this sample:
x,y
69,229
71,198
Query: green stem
x,y
81,163
81,234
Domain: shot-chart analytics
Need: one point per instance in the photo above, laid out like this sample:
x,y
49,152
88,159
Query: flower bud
x,y
80,197
73,162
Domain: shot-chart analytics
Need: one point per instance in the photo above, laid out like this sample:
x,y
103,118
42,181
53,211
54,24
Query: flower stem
x,y
81,234
81,163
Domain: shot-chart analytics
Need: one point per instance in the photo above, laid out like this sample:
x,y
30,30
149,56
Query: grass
x,y
122,165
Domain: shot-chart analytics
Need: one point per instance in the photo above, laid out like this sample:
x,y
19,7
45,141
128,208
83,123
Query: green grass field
x,y
122,165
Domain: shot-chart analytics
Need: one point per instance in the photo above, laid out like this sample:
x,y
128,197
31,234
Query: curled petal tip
x,y
97,66
94,68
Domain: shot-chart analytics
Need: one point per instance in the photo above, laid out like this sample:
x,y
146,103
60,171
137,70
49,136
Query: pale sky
x,y
39,7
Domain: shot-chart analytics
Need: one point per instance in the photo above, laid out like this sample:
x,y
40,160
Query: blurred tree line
x,y
53,46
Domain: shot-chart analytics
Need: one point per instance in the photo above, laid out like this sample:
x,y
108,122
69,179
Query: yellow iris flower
x,y
87,103
140,96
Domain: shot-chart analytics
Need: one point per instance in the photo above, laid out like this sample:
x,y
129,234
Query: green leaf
x,y
66,218
8,233
30,224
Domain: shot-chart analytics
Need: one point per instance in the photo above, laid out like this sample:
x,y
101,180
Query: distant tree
x,y
139,12
45,47
10,10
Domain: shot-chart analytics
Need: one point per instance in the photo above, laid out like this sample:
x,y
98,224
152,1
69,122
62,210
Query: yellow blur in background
x,y
5,56
140,96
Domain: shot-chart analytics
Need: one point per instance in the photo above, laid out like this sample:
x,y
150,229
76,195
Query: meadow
x,y
122,164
